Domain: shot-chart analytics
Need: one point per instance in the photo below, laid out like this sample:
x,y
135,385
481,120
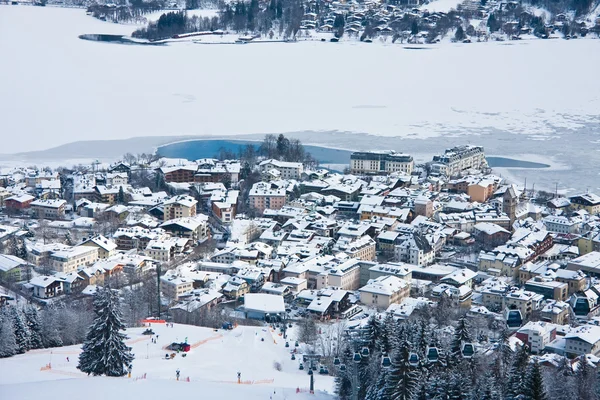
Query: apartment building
x,y
380,162
362,248
345,275
48,209
287,170
383,291
72,258
179,207
263,196
173,286
458,159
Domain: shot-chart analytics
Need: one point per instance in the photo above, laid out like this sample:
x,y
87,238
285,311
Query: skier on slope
x,y
177,373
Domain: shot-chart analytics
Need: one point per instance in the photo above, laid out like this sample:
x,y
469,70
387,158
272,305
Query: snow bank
x,y
441,5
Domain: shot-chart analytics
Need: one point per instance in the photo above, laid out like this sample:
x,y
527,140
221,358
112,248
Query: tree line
x,y
389,360
24,328
284,16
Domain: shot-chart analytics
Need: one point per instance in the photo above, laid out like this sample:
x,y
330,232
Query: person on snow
x,y
177,373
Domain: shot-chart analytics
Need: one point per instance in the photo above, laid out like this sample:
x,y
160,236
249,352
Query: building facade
x,y
380,162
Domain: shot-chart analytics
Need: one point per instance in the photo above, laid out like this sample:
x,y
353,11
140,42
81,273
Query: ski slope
x,y
211,367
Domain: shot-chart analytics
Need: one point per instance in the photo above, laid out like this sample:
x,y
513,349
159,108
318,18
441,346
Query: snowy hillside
x,y
211,366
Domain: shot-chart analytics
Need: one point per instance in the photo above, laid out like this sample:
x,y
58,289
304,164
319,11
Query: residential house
x,y
235,288
179,174
11,268
584,339
193,228
106,247
589,202
192,304
288,170
490,235
45,287
18,202
71,258
416,250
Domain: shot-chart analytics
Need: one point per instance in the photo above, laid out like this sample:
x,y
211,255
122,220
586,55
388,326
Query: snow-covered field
x,y
211,366
57,88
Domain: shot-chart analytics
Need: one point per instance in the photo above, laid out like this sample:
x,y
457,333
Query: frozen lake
x,y
538,100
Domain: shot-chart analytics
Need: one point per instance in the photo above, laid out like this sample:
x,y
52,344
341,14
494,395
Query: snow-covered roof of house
x,y
489,228
102,242
8,262
385,285
187,201
189,223
460,276
266,303
20,198
44,281
587,333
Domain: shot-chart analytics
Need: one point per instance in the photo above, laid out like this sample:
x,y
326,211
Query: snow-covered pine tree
x,y
8,345
534,388
377,391
22,335
343,379
50,334
486,388
460,384
462,334
32,319
560,383
372,332
585,379
402,381
104,350
515,381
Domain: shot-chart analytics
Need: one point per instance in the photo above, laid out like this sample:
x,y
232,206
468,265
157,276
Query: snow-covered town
x,y
263,268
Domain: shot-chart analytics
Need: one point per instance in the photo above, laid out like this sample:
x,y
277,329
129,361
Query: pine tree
x,y
34,324
460,384
462,335
121,196
50,334
534,383
343,379
402,382
21,331
8,345
460,34
377,391
585,379
516,379
372,332
104,351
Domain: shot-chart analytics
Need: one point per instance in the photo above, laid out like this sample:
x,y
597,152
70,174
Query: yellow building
x,y
588,202
383,291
